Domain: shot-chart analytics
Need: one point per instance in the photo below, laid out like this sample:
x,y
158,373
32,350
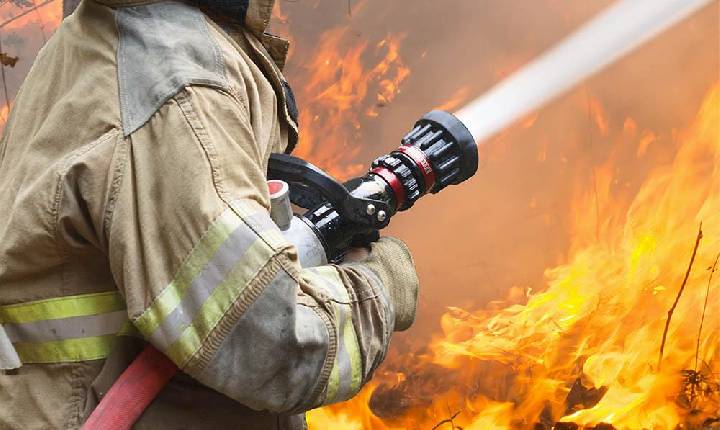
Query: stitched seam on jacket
x,y
115,186
217,53
188,108
193,119
77,387
228,321
55,209
262,62
131,122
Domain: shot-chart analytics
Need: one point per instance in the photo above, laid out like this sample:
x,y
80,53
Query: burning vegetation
x,y
625,335
621,332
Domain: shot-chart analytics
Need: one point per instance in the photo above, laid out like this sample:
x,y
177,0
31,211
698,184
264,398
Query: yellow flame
x,y
601,318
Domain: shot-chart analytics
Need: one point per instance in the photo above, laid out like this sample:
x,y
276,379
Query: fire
x,y
585,351
35,20
341,85
23,21
337,89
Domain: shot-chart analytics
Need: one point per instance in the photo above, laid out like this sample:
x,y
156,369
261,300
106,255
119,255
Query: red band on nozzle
x,y
394,183
422,162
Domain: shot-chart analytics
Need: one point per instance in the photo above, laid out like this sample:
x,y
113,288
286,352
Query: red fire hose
x,y
134,390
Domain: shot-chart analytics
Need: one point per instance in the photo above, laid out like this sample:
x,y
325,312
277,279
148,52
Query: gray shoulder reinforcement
x,y
163,47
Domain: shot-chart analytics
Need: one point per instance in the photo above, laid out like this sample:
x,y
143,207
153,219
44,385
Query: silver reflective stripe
x,y
8,356
260,222
217,270
66,328
272,358
346,374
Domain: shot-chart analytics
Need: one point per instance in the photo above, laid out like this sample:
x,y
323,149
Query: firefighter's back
x,y
62,119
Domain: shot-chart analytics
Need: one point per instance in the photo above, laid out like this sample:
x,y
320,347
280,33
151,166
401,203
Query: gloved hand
x,y
390,259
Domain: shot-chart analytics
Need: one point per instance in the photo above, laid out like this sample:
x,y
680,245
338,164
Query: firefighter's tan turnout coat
x,y
134,208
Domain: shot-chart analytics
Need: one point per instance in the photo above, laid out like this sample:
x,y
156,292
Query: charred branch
x,y
450,421
679,294
8,60
702,318
582,397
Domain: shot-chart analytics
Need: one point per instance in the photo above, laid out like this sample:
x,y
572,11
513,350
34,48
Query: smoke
x,y
475,242
499,231
610,35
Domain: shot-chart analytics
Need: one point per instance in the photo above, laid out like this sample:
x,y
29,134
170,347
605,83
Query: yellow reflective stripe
x,y
62,307
346,375
203,252
333,382
353,348
67,350
219,302
56,309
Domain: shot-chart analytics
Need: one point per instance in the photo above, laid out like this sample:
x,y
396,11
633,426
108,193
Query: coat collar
x,y
254,15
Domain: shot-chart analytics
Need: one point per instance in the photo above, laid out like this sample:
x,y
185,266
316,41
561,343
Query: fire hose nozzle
x,y
438,151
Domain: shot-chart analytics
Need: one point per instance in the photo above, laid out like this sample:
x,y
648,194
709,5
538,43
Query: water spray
x,y
441,149
614,32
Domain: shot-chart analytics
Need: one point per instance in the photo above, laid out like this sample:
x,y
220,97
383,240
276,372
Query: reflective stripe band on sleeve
x,y
65,351
62,307
65,329
346,373
226,259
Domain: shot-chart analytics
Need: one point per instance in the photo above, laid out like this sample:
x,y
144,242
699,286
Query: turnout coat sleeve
x,y
211,282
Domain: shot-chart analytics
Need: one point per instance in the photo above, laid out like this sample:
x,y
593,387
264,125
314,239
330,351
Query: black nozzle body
x,y
438,151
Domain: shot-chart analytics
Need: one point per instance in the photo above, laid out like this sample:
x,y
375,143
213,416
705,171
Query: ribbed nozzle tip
x,y
459,135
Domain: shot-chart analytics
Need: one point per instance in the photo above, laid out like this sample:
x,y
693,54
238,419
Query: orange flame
x,y
336,93
585,350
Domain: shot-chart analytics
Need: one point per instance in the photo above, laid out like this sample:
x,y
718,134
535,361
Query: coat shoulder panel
x,y
163,47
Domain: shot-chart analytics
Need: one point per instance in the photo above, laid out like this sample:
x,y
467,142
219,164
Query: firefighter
x,y
134,208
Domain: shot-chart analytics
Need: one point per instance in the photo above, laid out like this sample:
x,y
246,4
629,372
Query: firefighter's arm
x,y
211,282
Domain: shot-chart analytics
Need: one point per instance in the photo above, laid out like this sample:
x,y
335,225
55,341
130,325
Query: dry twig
x,y
450,421
677,298
702,318
4,82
